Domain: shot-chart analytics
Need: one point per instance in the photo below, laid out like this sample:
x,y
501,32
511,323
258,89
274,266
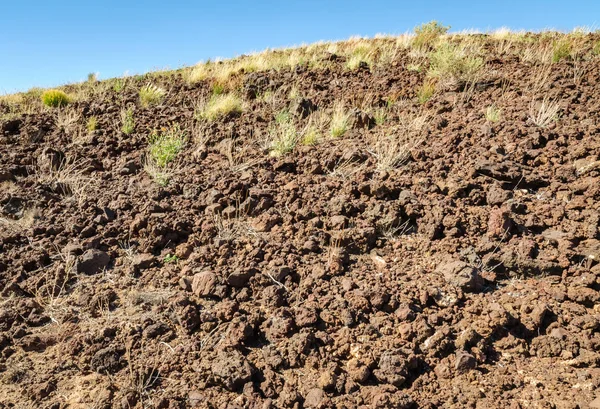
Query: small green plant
x,y
413,67
171,259
127,121
340,121
561,49
427,34
596,49
219,106
165,144
311,135
282,116
218,89
92,124
380,114
493,113
425,92
118,85
92,77
151,94
55,98
450,62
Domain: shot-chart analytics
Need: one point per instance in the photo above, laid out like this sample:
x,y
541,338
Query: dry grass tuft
x,y
151,94
219,106
453,64
340,120
69,179
543,113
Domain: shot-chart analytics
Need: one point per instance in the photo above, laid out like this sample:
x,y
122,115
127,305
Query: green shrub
x,y
55,98
596,49
427,34
561,49
166,144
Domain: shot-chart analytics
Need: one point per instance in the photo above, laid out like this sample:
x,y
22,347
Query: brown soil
x,y
467,277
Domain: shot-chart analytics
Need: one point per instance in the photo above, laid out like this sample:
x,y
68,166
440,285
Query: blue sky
x,y
48,43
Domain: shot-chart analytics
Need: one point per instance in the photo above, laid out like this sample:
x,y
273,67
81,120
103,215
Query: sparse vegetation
x,y
219,106
151,95
381,115
362,52
55,98
596,48
118,85
198,73
163,147
66,120
230,239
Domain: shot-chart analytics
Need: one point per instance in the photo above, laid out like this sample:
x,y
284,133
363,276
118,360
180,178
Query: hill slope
x,y
399,222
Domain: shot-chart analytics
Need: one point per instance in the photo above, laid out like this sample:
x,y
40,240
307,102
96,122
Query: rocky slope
x,y
463,274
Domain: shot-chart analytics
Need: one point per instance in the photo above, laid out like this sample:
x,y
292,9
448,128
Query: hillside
x,y
398,222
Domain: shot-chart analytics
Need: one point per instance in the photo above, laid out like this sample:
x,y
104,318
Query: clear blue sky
x,y
47,43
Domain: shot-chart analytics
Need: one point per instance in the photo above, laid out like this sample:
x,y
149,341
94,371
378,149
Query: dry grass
x,y
389,151
219,106
236,154
151,94
340,120
69,179
22,223
393,149
454,64
425,91
161,175
51,288
284,138
66,120
543,113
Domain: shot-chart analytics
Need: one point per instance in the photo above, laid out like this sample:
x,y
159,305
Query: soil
x,y
467,277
